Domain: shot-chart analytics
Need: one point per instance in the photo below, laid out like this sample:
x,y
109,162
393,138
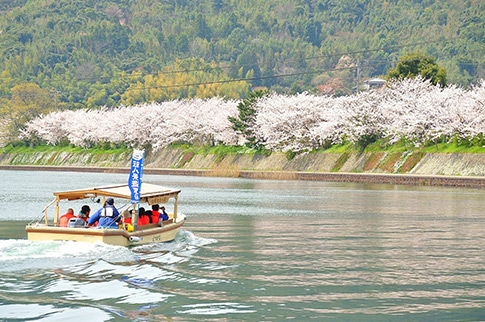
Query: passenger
x,y
157,215
84,213
143,219
106,216
149,213
163,214
65,218
126,216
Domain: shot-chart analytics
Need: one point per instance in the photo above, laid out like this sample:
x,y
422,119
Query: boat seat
x,y
76,223
154,225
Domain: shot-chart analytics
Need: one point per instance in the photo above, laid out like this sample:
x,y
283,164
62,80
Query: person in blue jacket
x,y
107,216
163,214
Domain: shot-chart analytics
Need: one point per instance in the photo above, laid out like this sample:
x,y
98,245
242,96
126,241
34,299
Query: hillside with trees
x,y
72,54
89,53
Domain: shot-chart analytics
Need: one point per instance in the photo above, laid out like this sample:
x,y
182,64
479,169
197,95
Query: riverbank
x,y
415,168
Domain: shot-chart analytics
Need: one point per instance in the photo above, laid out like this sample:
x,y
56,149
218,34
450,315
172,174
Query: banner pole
x,y
135,181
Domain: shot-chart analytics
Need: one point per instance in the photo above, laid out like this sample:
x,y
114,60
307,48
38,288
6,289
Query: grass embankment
x,y
348,148
381,147
219,149
53,148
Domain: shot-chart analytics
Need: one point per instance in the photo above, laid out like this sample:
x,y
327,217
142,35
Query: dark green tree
x,y
248,61
414,64
118,38
182,43
467,64
268,71
201,29
243,123
217,5
312,31
229,25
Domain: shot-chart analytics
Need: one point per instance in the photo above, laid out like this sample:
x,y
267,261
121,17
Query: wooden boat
x,y
42,229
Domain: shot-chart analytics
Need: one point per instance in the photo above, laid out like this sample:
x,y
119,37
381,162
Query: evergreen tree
x,y
201,29
243,123
414,64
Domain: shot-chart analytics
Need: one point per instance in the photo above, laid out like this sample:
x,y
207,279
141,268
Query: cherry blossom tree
x,y
158,124
410,110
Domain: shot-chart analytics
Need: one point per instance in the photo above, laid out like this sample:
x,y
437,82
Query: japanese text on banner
x,y
136,173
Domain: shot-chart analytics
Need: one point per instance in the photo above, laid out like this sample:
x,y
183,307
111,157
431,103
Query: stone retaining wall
x,y
417,168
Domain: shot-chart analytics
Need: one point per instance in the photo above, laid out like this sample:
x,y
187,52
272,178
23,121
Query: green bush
x,y
290,155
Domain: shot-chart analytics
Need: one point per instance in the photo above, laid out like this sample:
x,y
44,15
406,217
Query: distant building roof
x,y
375,81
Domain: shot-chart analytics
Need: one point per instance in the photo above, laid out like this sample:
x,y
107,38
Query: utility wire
x,y
385,48
268,77
316,57
144,88
378,62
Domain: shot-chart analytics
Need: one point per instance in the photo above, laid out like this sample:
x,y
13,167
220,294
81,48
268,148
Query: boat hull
x,y
149,234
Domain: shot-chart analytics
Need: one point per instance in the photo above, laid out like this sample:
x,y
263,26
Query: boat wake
x,y
183,240
20,254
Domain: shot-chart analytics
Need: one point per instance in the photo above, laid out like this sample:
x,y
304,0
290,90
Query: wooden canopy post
x,y
175,209
134,217
45,211
56,213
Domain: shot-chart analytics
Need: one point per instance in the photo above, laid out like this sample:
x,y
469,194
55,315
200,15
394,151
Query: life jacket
x,y
107,212
155,216
143,220
65,219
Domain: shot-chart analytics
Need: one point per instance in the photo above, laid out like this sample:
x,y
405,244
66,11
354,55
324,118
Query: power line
x,y
319,57
385,48
268,77
358,66
377,62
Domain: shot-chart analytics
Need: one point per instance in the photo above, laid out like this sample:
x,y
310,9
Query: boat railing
x,y
43,215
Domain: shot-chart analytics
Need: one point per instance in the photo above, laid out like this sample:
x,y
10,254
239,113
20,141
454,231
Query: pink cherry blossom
x,y
412,110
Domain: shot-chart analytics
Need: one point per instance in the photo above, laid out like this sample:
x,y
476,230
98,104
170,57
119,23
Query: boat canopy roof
x,y
150,193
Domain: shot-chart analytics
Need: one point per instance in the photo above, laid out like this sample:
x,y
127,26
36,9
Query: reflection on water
x,y
256,250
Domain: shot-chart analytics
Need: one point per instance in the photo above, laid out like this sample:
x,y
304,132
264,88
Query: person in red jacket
x,y
155,213
149,214
65,218
127,216
158,213
143,219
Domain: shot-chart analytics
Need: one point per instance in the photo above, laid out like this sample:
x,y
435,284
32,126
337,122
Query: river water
x,y
254,250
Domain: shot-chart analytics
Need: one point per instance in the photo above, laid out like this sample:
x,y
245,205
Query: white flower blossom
x,y
412,110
